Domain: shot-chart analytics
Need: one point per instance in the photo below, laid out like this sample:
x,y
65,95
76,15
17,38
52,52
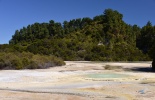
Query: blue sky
x,y
15,14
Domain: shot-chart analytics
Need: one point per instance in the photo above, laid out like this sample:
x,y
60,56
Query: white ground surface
x,y
73,82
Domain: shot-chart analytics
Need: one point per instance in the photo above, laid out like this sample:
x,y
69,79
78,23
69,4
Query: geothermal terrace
x,y
81,81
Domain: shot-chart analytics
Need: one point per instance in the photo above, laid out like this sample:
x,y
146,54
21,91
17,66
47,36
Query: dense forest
x,y
105,37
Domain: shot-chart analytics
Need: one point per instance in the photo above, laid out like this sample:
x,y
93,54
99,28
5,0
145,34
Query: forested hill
x,y
105,37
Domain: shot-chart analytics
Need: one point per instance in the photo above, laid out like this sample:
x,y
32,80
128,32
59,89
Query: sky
x,y
16,14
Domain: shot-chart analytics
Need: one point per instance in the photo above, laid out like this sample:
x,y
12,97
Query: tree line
x,y
105,37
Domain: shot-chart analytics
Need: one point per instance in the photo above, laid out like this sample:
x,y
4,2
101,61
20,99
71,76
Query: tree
x,y
147,37
79,39
152,55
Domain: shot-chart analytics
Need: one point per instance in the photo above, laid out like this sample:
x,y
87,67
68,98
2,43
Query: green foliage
x,y
147,38
17,63
28,61
106,37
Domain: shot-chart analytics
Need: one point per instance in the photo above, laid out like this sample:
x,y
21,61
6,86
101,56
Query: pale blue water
x,y
107,75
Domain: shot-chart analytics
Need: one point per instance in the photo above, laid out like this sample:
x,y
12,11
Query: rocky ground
x,y
80,81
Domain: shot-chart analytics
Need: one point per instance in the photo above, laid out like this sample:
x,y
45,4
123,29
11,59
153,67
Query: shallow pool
x,y
107,75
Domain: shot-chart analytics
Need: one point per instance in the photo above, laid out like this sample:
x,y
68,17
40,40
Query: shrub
x,y
2,64
108,67
32,65
56,61
28,61
17,64
25,61
153,65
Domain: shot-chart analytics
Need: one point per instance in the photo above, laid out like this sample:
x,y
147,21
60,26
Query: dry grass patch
x,y
109,67
111,97
148,82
